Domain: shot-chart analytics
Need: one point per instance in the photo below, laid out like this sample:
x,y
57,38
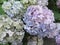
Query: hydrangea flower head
x,y
58,3
12,9
39,20
14,29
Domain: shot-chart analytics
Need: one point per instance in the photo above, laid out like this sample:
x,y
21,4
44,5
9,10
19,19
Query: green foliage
x,y
52,5
1,1
1,10
57,15
4,44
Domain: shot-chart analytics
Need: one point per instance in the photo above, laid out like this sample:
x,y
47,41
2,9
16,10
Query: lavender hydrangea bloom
x,y
39,20
58,3
58,39
58,34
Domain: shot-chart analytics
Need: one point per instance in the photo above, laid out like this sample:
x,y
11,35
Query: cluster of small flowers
x,y
58,3
12,7
15,8
42,2
58,34
38,18
12,23
39,21
10,30
58,39
27,3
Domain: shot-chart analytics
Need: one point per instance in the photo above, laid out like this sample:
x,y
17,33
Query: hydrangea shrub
x,y
35,16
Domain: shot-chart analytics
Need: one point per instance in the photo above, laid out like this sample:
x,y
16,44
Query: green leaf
x,y
1,1
1,10
52,5
57,15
